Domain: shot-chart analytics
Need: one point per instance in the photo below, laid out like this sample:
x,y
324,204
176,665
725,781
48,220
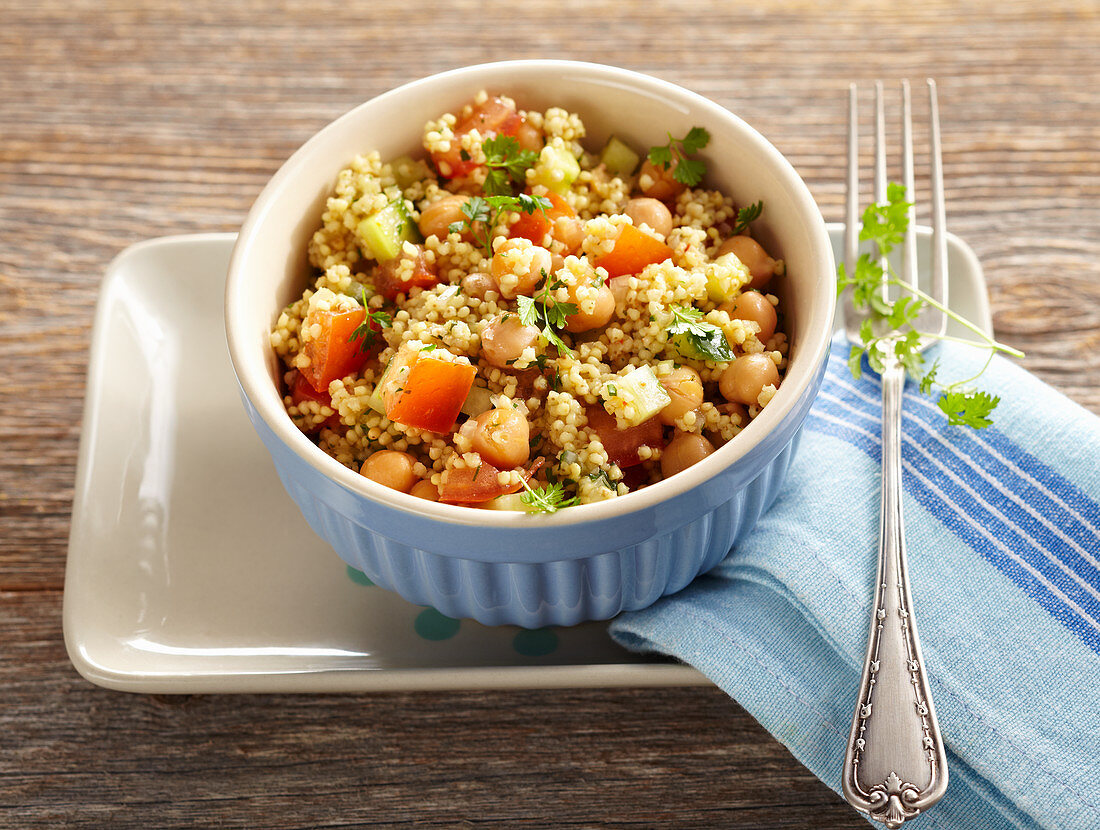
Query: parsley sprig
x,y
889,325
688,171
506,164
545,312
365,331
703,338
549,498
480,214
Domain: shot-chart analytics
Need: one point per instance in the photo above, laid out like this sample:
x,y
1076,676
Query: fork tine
x,y
880,146
939,217
909,248
880,168
851,235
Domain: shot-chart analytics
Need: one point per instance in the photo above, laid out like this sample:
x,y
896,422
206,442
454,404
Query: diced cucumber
x,y
709,343
477,401
725,276
619,159
509,501
384,232
375,400
556,169
407,170
392,378
640,388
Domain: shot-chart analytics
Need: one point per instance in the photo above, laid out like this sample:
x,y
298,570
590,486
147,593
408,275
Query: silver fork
x,y
895,765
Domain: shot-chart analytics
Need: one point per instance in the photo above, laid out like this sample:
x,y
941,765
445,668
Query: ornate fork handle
x,y
895,764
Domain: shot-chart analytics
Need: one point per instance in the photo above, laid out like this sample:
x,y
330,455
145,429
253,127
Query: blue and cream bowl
x,y
587,562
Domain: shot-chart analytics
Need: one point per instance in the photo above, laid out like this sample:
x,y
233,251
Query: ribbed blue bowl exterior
x,y
540,577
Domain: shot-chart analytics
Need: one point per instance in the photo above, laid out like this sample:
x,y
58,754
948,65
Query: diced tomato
x,y
466,486
535,226
633,251
424,391
622,445
333,354
635,477
386,282
301,391
494,117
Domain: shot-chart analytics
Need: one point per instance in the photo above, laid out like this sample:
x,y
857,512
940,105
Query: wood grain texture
x,y
124,121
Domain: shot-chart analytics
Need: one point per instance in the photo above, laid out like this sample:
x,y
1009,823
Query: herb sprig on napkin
x,y
889,323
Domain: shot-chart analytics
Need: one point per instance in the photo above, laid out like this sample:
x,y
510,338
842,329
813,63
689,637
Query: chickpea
x,y
505,338
506,262
436,219
424,489
753,257
685,449
736,411
620,287
598,317
657,182
686,390
754,306
502,437
569,231
743,380
650,212
477,284
392,469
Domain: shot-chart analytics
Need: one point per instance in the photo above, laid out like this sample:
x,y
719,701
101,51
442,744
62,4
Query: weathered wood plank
x,y
123,121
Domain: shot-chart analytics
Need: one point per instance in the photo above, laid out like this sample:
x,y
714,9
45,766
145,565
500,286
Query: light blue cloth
x,y
1004,557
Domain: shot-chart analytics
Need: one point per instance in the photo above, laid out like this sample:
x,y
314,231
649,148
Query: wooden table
x,y
124,121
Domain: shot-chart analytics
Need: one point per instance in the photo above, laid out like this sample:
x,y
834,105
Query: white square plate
x,y
191,570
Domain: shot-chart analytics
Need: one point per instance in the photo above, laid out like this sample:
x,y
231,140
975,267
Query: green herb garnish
x,y
688,171
702,337
365,331
747,215
547,499
485,210
545,313
602,478
889,324
506,164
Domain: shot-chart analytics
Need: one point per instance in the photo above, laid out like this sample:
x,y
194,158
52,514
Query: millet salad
x,y
513,322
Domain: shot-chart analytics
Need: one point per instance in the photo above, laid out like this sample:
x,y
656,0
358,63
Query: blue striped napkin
x,y
1004,556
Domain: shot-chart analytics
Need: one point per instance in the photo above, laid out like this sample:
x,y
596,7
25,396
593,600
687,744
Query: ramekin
x,y
590,561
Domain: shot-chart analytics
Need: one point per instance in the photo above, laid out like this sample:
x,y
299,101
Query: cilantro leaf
x,y
889,325
496,182
700,337
545,313
661,156
886,224
506,164
529,204
528,312
855,361
366,332
696,139
970,409
688,171
487,209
